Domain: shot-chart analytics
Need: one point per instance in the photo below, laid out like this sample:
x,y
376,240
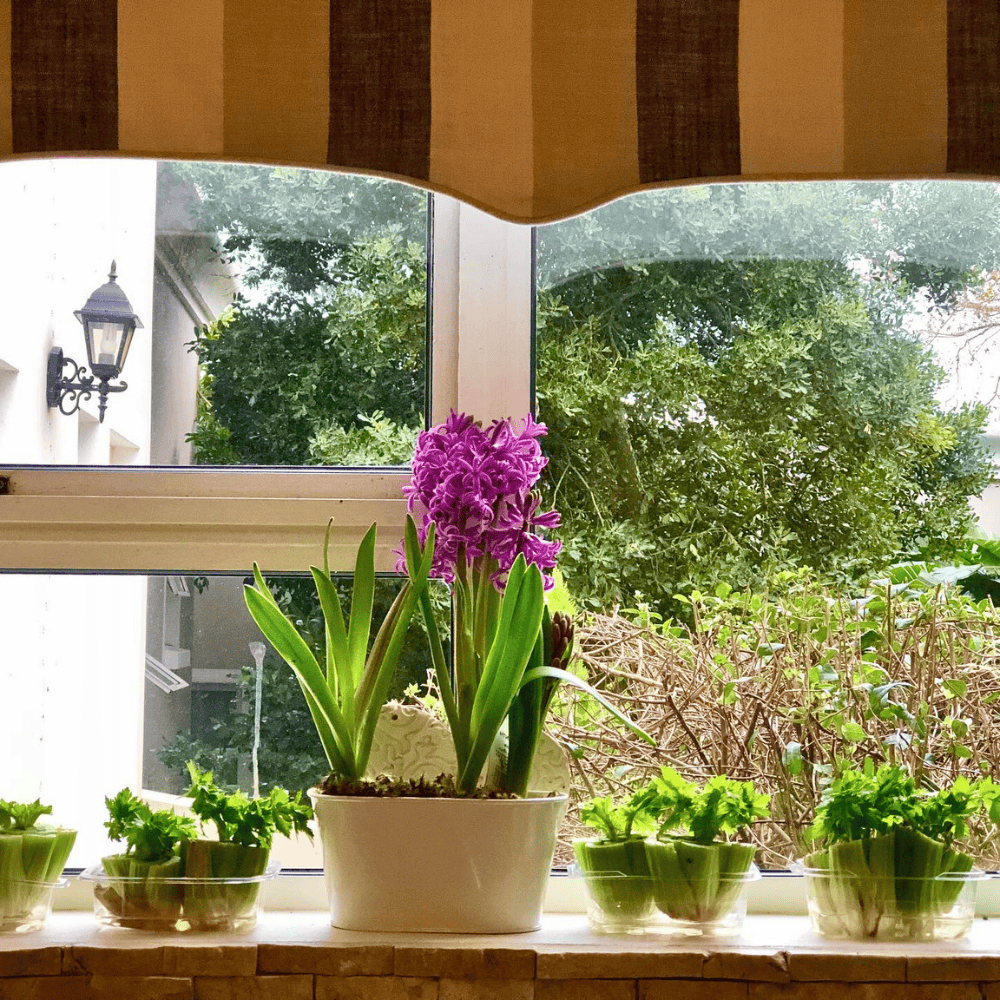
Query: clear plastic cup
x,y
932,908
25,906
229,905
640,905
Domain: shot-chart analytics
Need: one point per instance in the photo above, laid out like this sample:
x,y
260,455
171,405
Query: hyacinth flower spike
x,y
476,487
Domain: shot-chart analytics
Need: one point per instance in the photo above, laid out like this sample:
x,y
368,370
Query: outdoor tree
x,y
748,393
732,375
321,358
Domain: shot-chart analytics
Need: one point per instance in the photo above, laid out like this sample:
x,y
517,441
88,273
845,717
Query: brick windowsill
x,y
298,956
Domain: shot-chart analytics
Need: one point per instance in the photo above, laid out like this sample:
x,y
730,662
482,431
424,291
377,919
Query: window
x,y
705,432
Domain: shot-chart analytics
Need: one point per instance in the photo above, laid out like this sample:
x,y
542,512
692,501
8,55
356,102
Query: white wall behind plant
x,y
72,669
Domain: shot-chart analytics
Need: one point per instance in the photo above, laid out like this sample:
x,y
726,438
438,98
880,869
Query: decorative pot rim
x,y
532,799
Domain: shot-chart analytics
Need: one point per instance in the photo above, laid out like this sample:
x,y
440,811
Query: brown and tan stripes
x,y
170,77
481,82
533,109
895,87
64,75
584,101
380,85
974,87
687,88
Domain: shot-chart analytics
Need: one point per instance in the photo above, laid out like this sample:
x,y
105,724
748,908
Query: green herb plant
x,y
235,862
889,865
143,890
697,869
32,857
615,863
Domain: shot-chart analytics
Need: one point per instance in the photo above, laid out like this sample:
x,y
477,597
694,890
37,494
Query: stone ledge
x,y
775,957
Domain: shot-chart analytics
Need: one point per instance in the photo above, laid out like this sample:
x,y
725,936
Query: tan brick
x,y
828,966
690,989
140,988
486,989
49,988
113,961
586,989
616,964
326,960
751,967
31,962
465,963
210,960
253,988
943,969
375,988
864,991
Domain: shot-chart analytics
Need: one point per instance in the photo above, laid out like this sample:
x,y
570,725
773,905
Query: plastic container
x,y
25,906
229,905
641,905
848,906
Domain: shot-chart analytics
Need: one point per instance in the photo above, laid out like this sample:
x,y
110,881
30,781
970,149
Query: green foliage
x,y
326,347
346,698
149,835
617,823
729,373
868,802
721,806
244,821
718,414
378,441
21,815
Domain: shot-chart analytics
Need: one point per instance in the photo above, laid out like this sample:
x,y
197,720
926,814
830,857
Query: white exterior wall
x,y
72,672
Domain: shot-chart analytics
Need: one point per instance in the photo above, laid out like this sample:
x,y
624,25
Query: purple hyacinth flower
x,y
477,485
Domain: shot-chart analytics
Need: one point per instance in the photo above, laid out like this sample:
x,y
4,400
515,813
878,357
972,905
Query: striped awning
x,y
530,109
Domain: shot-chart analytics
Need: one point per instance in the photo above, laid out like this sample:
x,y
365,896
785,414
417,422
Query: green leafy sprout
x,y
723,807
869,803
345,700
617,823
245,821
20,815
149,835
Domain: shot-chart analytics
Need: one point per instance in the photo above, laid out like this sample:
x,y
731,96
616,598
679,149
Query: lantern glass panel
x,y
103,341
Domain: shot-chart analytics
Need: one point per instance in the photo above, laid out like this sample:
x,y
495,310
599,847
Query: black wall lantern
x,y
108,325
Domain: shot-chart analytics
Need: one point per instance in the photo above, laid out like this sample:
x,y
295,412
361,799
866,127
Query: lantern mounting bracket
x,y
71,390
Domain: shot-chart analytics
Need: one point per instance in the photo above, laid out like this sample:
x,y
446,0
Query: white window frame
x,y
192,520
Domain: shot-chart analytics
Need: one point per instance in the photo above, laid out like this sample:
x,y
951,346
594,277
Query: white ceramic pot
x,y
464,866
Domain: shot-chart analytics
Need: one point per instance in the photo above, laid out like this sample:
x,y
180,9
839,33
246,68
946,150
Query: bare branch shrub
x,y
778,692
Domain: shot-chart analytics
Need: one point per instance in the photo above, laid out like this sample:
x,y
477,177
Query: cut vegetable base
x,y
210,886
211,906
902,885
31,863
617,877
142,895
697,883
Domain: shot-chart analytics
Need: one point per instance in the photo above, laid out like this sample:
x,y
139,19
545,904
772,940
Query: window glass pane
x,y
283,314
113,681
759,399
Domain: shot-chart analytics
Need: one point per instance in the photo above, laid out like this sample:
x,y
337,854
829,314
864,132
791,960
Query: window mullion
x,y
494,316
